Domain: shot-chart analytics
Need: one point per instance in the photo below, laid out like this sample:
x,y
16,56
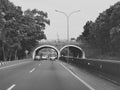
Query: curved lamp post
x,y
68,17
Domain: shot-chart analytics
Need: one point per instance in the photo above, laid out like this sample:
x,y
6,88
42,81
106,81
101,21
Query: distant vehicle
x,y
44,57
37,58
52,58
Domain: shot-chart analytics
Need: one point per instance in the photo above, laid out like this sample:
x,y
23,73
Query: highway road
x,y
48,75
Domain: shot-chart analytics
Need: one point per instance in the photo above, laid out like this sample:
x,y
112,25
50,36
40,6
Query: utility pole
x,y
68,19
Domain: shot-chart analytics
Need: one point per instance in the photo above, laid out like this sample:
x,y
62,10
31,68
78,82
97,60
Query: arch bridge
x,y
62,49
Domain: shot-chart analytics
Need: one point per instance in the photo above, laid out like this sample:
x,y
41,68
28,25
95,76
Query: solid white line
x,y
108,79
91,88
10,88
15,64
32,70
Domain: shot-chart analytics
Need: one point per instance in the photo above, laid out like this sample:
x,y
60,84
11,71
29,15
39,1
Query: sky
x,y
89,10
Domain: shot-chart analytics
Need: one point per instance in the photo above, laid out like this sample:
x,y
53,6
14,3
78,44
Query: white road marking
x,y
90,87
108,78
39,64
32,70
10,88
14,65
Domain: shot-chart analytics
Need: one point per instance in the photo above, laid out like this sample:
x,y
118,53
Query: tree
x,y
9,13
104,32
19,31
34,23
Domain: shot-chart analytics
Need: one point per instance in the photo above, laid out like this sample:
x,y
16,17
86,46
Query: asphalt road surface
x,y
48,75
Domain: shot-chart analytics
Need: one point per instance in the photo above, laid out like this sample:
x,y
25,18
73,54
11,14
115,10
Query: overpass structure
x,y
61,49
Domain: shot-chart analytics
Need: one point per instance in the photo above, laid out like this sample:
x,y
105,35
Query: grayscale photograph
x,y
59,45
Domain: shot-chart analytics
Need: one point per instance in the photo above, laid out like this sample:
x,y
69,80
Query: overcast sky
x,y
89,10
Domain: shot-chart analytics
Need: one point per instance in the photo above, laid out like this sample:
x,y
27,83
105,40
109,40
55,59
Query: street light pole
x,y
68,19
68,29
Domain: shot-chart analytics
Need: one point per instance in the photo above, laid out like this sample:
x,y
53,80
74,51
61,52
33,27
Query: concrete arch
x,y
46,46
83,53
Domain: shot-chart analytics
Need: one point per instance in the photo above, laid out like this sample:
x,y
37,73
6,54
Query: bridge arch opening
x,y
45,46
74,50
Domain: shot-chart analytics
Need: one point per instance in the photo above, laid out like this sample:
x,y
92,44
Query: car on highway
x,y
37,58
44,57
52,58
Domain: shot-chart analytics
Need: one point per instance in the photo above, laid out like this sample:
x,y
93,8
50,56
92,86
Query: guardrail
x,y
111,67
14,61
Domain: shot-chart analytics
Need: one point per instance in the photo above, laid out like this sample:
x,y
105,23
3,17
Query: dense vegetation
x,y
104,32
19,31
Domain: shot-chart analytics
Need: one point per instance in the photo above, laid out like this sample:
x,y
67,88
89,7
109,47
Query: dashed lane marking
x,y
32,70
11,87
86,84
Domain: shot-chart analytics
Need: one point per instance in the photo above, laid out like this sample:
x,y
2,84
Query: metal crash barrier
x,y
111,67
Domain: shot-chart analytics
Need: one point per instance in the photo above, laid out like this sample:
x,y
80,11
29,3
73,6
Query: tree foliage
x,y
20,30
104,33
